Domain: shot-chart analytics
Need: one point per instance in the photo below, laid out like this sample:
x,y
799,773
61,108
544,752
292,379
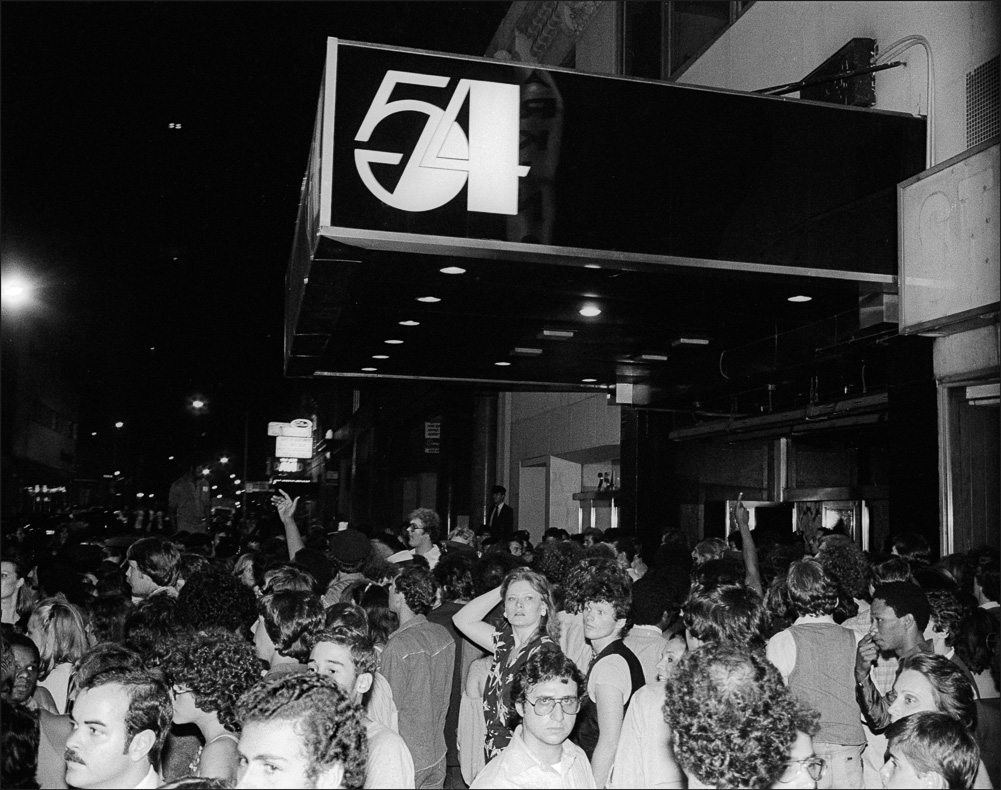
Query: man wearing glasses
x,y
423,534
546,694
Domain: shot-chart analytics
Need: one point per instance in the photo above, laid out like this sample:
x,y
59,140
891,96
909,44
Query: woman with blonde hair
x,y
531,625
57,628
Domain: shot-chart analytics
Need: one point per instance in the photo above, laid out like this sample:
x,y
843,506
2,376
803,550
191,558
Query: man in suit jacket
x,y
500,519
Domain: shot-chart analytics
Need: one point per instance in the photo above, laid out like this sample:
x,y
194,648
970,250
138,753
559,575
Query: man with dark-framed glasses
x,y
546,693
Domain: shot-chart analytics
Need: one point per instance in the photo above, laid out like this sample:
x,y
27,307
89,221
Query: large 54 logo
x,y
444,159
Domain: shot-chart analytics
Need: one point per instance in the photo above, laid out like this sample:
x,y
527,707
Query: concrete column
x,y
484,473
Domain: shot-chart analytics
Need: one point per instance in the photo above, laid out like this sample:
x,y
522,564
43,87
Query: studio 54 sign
x,y
483,158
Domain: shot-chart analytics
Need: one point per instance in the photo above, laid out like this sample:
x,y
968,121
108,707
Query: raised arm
x,y
470,619
286,512
752,577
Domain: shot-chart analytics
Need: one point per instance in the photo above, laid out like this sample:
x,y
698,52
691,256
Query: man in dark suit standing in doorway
x,y
500,519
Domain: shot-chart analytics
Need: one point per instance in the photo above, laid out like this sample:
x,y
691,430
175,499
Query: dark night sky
x,y
176,241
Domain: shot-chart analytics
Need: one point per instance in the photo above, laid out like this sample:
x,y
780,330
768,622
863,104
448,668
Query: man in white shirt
x,y
120,721
350,660
423,534
546,693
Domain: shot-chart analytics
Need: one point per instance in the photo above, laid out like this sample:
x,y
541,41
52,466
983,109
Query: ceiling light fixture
x,y
589,381
452,270
591,266
502,364
520,351
394,342
380,356
690,341
369,370
428,299
410,323
555,334
590,311
653,357
800,298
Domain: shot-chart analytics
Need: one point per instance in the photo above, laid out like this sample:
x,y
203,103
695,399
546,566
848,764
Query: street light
x,y
224,459
119,424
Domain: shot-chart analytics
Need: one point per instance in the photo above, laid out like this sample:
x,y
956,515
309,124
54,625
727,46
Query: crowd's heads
x,y
730,614
309,722
121,721
490,569
987,578
191,564
26,667
346,656
891,569
106,617
898,609
57,628
414,586
652,597
349,550
607,604
580,576
946,618
708,549
285,622
153,563
348,616
454,573
546,692
216,599
150,623
553,559
102,657
733,718
912,547
844,560
978,639
286,577
382,620
18,745
927,682
812,590
210,670
929,750
425,519
528,599
727,569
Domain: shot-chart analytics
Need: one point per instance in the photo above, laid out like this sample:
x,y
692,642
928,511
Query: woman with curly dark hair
x,y
209,671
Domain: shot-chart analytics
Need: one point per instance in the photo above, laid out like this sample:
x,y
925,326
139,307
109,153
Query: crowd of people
x,y
410,658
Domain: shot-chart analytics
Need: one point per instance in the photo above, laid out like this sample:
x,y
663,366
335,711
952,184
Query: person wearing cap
x,y
349,549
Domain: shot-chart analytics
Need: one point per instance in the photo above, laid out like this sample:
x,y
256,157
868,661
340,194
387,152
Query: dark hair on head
x,y
418,587
107,614
346,615
112,584
290,617
709,549
193,782
100,658
977,639
216,599
605,551
549,624
627,546
287,577
430,520
362,650
936,742
847,564
891,569
948,613
929,579
316,563
905,599
951,689
988,576
159,559
730,614
652,597
812,590
913,548
581,574
720,570
616,590
150,705
733,718
329,724
377,569
554,560
217,665
382,621
191,564
19,755
548,663
490,569
454,573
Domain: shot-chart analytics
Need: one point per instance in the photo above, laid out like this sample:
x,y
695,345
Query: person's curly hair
x,y
554,560
581,574
948,613
418,587
106,617
616,590
216,599
844,560
733,718
454,573
430,520
331,726
289,618
812,590
729,614
548,663
490,569
218,666
978,639
362,650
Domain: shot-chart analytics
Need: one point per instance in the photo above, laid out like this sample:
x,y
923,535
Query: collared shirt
x,y
389,762
418,662
516,766
645,754
150,781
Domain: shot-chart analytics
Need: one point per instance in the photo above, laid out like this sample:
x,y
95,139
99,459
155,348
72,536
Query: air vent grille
x,y
982,103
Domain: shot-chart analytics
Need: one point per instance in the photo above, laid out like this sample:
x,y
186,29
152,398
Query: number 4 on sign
x,y
444,159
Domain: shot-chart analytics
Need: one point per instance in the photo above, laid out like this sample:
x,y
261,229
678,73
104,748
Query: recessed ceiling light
x,y
380,356
653,357
369,370
428,299
800,298
591,266
555,334
502,364
452,270
589,381
590,311
522,351
410,323
690,341
394,342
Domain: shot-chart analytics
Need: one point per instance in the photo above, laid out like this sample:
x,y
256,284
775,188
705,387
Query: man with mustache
x,y
120,721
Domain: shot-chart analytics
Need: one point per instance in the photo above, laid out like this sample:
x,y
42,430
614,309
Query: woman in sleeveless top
x,y
531,626
209,671
614,676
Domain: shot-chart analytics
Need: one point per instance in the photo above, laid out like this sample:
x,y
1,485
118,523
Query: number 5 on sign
x,y
444,159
